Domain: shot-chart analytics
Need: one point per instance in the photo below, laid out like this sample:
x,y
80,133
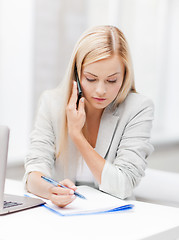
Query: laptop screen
x,y
4,140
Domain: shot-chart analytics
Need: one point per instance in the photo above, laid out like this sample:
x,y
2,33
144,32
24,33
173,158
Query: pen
x,y
60,185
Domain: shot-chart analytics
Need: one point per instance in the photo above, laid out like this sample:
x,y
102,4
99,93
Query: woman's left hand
x,y
75,117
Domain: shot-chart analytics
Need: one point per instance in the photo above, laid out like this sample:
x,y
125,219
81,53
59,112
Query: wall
x,y
16,72
37,41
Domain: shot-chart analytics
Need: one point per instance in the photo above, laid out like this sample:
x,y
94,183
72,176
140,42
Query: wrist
x,y
77,137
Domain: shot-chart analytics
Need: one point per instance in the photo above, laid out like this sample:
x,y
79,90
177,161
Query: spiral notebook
x,y
96,202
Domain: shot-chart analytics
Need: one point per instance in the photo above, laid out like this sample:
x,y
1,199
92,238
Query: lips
x,y
99,99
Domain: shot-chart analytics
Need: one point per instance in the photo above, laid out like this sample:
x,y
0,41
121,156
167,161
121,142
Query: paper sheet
x,y
96,202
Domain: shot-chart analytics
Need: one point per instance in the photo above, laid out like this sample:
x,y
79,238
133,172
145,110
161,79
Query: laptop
x,y
11,203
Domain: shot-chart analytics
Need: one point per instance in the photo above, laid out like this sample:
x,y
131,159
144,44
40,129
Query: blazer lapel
x,y
106,131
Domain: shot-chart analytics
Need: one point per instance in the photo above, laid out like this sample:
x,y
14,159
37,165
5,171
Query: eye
x,y
112,81
90,79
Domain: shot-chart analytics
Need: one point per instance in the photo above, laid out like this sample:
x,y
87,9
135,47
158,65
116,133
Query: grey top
x,y
123,141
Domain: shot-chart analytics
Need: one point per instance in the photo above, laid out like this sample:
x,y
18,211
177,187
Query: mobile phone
x,y
80,93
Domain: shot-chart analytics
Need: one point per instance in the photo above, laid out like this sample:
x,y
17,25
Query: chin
x,y
99,106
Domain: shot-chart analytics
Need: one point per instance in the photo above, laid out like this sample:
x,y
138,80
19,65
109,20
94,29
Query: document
x,y
96,202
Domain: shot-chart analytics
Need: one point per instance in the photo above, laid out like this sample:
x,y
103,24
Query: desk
x,y
145,221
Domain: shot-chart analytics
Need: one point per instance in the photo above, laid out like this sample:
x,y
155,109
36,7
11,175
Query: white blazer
x,y
123,141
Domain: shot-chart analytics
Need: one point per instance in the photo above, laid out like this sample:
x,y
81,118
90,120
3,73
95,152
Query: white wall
x,y
37,38
58,25
16,72
151,28
171,110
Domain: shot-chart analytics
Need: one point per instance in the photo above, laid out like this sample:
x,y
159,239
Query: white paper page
x,y
96,201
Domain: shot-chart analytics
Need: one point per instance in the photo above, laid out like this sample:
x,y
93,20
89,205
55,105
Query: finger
x,y
81,106
73,98
62,200
68,183
61,191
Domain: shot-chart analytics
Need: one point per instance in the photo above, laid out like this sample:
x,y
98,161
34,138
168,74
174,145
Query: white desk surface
x,y
145,221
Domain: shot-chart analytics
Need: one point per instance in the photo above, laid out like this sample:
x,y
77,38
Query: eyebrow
x,y
108,76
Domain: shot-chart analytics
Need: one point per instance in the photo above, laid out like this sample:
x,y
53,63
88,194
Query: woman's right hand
x,y
62,196
75,117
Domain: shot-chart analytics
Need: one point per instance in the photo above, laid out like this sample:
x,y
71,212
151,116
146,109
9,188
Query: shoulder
x,y
138,100
50,103
135,102
51,95
51,99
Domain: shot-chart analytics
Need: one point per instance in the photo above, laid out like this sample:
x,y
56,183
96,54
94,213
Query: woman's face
x,y
101,81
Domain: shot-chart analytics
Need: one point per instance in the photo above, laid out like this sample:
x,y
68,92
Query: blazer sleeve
x,y
123,174
41,154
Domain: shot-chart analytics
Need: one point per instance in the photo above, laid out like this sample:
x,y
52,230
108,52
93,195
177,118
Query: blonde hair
x,y
95,44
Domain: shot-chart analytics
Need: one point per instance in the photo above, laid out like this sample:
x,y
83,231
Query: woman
x,y
105,141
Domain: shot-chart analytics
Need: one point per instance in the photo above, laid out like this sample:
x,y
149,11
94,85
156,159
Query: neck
x,y
91,127
93,112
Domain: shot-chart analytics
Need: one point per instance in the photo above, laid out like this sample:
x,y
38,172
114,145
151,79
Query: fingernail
x,y
71,192
82,99
74,83
73,196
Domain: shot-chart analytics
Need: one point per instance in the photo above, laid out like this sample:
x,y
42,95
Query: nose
x,y
100,89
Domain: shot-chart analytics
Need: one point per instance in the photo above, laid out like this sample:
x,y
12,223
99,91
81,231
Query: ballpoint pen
x,y
60,185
